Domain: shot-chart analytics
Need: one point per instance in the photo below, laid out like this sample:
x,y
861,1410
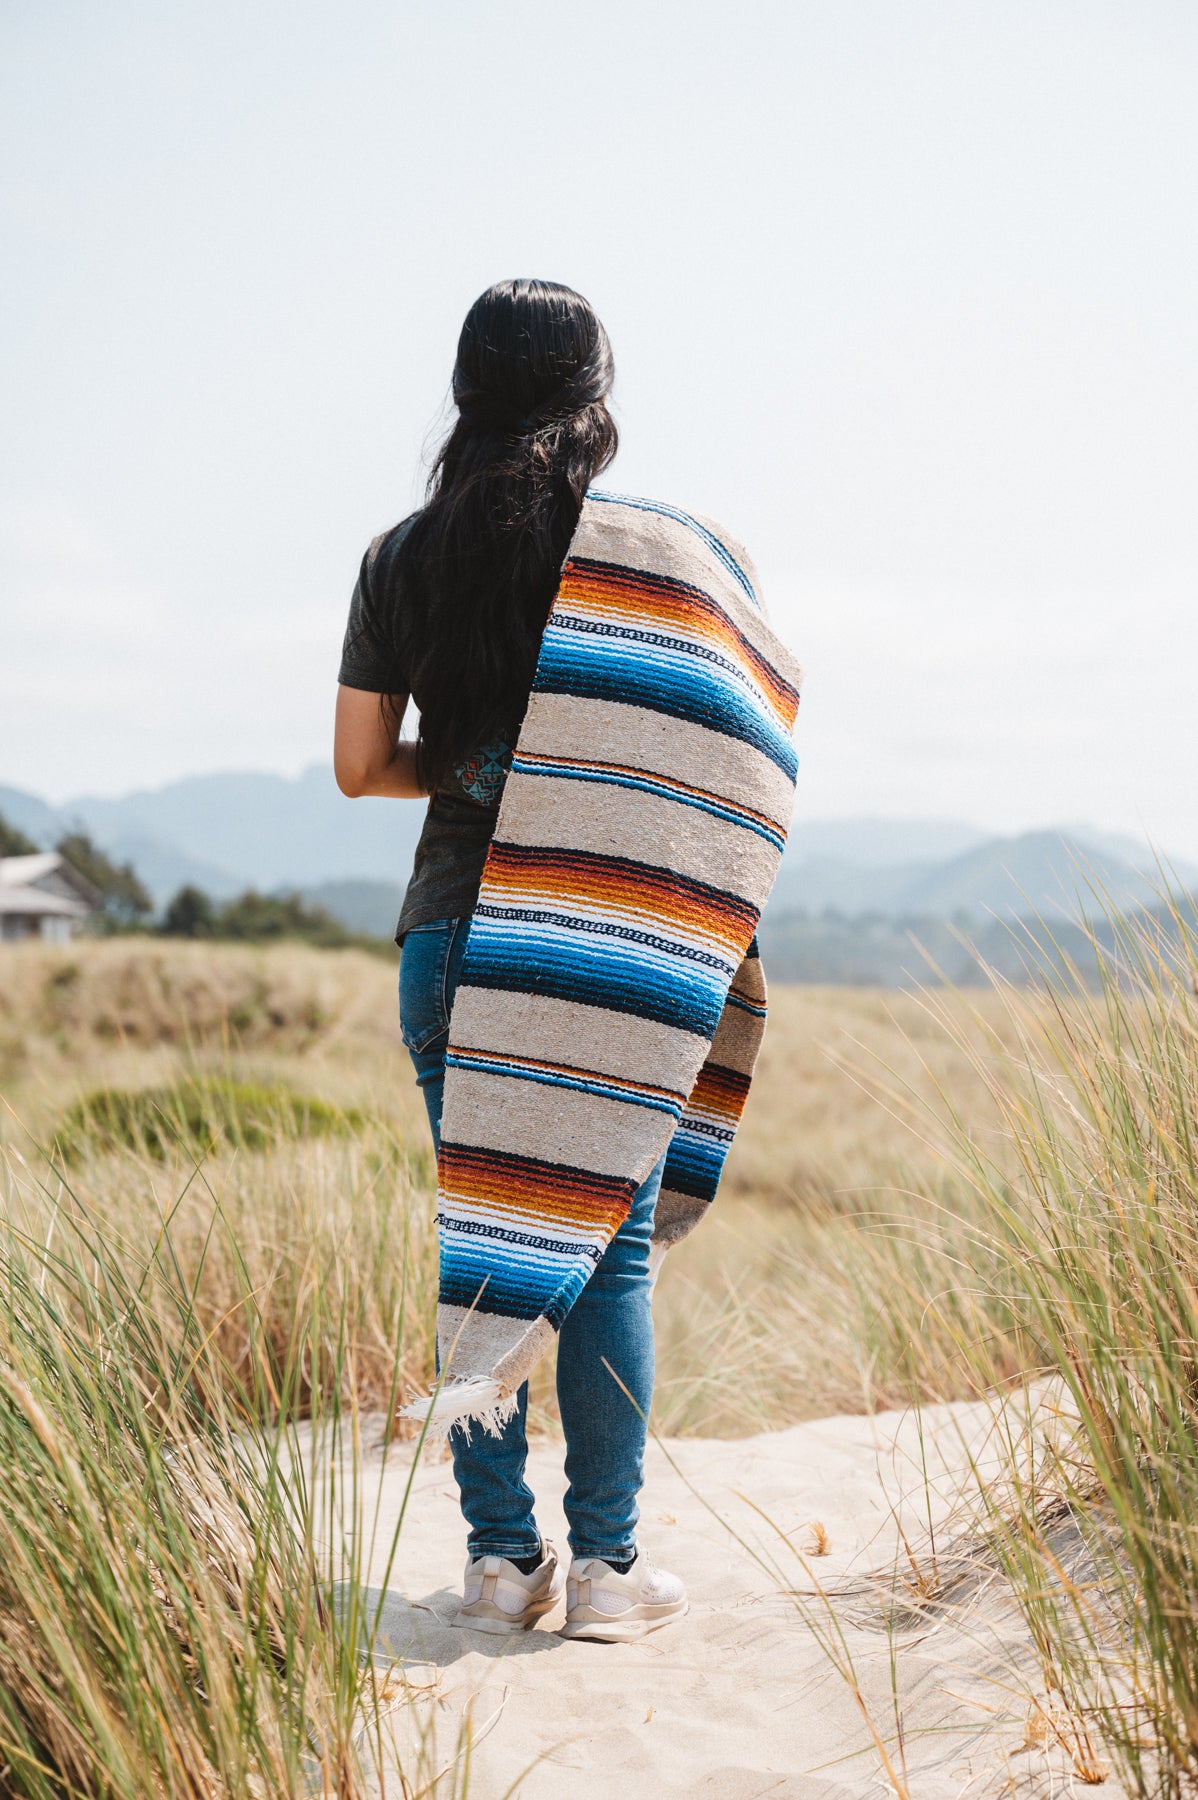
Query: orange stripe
x,y
516,874
652,604
510,1185
720,1092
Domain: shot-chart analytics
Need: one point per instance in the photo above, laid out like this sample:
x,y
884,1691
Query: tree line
x,y
125,904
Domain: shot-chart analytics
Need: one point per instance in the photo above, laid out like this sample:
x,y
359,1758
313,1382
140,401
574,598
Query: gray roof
x,y
21,871
22,889
34,902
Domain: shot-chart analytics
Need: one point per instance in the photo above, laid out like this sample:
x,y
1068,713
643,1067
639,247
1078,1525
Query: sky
x,y
903,292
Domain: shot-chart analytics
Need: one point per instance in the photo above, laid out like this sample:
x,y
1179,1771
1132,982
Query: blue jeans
x,y
611,1321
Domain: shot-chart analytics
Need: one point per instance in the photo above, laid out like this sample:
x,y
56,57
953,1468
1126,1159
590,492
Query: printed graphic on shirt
x,y
482,775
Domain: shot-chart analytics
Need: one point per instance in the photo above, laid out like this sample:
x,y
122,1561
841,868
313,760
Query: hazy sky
x,y
903,291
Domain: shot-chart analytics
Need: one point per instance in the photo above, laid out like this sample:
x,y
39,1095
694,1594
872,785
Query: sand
x,y
763,1689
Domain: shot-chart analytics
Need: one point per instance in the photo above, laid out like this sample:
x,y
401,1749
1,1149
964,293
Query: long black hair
x,y
478,568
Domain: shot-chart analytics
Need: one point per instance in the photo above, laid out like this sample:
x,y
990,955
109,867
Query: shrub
x,y
13,841
124,900
190,914
196,1116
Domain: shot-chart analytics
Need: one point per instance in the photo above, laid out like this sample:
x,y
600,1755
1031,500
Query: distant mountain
x,y
833,950
870,843
31,815
164,869
370,906
228,832
834,884
1042,873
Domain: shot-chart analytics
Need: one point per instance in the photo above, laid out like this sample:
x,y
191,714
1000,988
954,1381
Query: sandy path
x,y
739,1700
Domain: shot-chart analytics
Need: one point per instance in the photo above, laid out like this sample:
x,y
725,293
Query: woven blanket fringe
x,y
463,1403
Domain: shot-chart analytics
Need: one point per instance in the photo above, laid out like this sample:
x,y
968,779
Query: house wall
x,y
17,928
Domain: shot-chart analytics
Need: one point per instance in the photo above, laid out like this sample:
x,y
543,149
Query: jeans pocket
x,y
424,998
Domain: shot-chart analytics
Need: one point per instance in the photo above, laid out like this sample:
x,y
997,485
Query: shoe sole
x,y
497,1623
604,1628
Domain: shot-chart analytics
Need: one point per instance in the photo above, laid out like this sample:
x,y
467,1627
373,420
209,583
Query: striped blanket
x,y
611,1001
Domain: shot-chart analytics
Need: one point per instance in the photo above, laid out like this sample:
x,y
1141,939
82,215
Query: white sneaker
x,y
611,1607
496,1597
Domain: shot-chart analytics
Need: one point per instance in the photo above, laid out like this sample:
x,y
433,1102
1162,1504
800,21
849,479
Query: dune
x,y
912,1675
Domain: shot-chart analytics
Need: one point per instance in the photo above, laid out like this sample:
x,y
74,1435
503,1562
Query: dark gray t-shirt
x,y
461,815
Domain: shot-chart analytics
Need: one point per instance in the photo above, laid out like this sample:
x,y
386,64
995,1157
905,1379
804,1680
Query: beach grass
x,y
167,1618
934,1197
1055,1274
272,1085
1100,1221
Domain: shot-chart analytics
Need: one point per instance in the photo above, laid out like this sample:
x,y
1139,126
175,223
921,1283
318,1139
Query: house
x,y
42,896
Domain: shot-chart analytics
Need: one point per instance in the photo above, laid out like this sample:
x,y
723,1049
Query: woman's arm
x,y
368,757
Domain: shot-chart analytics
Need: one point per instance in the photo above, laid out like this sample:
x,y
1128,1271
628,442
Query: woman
x,y
448,611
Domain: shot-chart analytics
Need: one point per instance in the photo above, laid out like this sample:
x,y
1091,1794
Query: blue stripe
x,y
519,1293
521,1072
647,785
673,512
464,1287
697,1154
694,1165
667,641
550,941
516,1243
680,686
606,928
564,965
518,1268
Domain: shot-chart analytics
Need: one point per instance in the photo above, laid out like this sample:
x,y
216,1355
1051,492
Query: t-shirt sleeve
x,y
368,658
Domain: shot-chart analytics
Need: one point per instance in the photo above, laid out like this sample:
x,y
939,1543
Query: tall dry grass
x,y
179,1606
841,1180
1060,1266
169,1618
931,1199
752,1322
